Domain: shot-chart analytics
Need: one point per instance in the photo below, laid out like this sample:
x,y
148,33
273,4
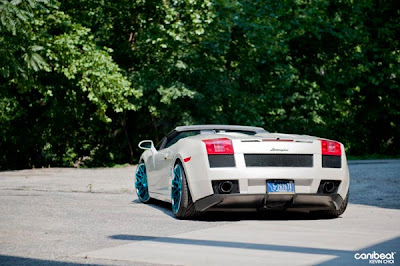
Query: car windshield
x,y
181,135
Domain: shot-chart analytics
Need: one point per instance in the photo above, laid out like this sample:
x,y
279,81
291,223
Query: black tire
x,y
186,209
335,213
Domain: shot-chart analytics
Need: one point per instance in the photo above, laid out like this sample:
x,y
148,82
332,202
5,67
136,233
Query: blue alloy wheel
x,y
141,184
176,189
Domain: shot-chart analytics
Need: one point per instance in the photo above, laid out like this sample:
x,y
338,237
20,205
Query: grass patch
x,y
120,165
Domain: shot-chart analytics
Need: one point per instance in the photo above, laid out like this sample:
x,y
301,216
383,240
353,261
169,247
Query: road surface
x,y
60,216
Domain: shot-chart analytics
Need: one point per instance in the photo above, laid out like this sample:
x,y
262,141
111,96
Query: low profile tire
x,y
335,213
182,204
141,184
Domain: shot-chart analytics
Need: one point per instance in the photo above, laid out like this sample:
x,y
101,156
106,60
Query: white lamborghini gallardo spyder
x,y
221,167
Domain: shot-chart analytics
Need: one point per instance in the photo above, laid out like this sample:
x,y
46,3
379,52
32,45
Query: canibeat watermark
x,y
376,258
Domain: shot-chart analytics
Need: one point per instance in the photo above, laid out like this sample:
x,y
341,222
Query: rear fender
x,y
192,154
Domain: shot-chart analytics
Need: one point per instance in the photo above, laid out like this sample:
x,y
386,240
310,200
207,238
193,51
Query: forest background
x,y
83,81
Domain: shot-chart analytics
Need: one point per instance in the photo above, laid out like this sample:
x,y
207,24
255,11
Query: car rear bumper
x,y
253,202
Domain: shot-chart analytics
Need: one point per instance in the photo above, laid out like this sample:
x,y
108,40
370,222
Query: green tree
x,y
87,79
56,111
291,66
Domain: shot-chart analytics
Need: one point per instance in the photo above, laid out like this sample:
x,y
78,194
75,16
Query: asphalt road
x,y
92,216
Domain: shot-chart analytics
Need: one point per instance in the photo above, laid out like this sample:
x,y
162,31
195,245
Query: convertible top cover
x,y
221,127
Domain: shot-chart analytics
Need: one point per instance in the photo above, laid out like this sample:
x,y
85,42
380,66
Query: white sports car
x,y
221,167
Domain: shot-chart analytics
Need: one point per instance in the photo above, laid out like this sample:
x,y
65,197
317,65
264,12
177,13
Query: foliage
x,y
55,107
95,77
19,49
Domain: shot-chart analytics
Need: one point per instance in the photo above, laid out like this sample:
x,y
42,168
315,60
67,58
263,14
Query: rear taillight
x,y
219,146
330,147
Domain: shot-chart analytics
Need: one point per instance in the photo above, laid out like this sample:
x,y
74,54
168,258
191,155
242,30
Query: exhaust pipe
x,y
329,187
225,187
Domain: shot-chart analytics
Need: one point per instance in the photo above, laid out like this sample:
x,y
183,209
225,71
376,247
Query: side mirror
x,y
147,145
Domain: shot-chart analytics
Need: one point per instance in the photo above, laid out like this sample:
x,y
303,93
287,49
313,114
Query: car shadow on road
x,y
341,257
159,205
219,216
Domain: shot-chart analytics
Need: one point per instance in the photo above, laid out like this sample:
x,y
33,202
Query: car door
x,y
151,168
163,161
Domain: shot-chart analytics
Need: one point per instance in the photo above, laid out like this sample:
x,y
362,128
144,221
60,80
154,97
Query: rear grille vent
x,y
278,160
221,160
